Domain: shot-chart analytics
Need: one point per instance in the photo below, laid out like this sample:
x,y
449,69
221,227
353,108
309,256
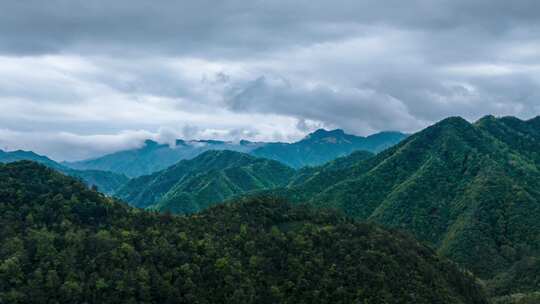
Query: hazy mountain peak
x,y
317,148
322,133
150,143
180,142
323,145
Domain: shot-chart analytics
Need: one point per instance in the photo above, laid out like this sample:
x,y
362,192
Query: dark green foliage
x,y
323,146
106,182
471,191
63,243
519,298
518,136
212,177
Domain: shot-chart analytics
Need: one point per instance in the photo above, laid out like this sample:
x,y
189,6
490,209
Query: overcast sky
x,y
83,78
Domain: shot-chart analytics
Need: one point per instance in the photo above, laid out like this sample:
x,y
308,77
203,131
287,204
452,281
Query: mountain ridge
x,y
322,146
211,177
153,156
107,182
470,190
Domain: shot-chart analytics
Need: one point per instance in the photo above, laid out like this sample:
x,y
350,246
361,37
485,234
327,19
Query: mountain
x,y
211,177
107,182
64,243
153,157
470,190
328,169
316,149
322,146
13,156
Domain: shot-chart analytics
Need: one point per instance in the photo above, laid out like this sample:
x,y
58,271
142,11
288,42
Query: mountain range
x,y
316,149
64,243
212,177
153,157
106,182
472,191
322,146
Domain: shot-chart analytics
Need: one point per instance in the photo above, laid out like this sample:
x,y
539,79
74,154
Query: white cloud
x,y
263,70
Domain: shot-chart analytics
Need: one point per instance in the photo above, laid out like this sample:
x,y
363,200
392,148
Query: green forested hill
x,y
106,182
212,177
470,190
63,243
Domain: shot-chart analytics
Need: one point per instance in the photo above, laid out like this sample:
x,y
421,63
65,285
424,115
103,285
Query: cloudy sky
x,y
83,78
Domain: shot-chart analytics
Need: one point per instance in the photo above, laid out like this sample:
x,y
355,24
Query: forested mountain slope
x,y
106,182
470,190
324,174
63,243
212,177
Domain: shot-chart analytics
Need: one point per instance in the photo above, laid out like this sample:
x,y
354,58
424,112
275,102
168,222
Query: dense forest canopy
x,y
470,190
64,243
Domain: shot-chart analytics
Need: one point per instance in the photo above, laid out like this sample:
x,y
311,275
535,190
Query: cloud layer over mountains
x,y
81,78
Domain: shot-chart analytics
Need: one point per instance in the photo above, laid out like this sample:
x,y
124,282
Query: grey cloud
x,y
358,110
69,146
226,28
262,70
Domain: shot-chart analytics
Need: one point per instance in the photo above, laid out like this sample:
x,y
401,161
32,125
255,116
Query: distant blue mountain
x,y
322,146
153,157
315,149
106,182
